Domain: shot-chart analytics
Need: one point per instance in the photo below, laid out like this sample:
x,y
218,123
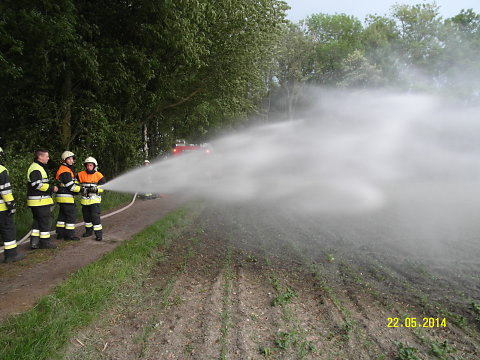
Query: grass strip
x,y
40,332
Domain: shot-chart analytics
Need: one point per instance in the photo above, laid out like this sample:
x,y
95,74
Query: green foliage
x,y
285,340
357,72
92,75
335,37
405,352
412,48
294,65
441,350
123,80
476,310
293,339
284,293
284,297
265,351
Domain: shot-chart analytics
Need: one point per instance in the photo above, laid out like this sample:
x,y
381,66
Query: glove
x,y
92,190
12,207
84,190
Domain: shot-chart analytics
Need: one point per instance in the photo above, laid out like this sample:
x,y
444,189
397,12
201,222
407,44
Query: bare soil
x,y
246,282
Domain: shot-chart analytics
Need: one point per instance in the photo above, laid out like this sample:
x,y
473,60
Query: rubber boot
x,y
60,232
88,232
11,255
98,235
47,244
34,242
69,235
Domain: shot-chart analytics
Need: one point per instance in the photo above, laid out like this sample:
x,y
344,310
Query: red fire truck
x,y
181,147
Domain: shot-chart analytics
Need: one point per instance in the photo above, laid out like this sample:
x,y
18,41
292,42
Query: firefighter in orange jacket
x,y
65,197
39,200
7,209
91,181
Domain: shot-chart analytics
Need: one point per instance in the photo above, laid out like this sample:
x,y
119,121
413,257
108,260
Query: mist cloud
x,y
347,155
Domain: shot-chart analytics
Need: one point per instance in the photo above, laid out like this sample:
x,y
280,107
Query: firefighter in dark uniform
x,y
91,180
39,199
68,187
7,209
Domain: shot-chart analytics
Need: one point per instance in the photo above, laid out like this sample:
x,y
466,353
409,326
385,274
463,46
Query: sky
x,y
300,9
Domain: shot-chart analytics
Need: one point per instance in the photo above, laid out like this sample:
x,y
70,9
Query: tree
x,y
96,76
357,72
335,37
295,61
460,69
49,60
420,46
380,39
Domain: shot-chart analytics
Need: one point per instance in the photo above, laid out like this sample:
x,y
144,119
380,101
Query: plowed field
x,y
252,282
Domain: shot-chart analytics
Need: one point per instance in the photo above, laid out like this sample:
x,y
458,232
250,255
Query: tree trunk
x,y
290,99
145,140
65,125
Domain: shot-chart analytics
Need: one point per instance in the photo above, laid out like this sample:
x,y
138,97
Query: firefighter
x,y
65,197
91,180
7,209
147,196
39,199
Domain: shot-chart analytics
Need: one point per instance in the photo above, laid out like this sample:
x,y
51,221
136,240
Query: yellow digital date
x,y
411,322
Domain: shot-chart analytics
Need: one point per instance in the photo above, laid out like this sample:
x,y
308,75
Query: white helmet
x,y
67,154
92,160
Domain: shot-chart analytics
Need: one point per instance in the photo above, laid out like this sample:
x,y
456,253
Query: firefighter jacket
x,y
88,179
68,186
39,191
5,189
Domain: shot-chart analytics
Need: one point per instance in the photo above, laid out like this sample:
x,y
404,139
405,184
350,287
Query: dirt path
x,y
246,283
24,282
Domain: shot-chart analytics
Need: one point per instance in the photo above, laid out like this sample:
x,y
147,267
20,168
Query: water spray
x,y
346,155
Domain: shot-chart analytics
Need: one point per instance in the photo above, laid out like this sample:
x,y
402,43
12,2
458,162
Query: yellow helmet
x,y
66,154
92,160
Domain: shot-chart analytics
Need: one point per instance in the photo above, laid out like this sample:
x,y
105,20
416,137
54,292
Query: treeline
x,y
121,80
412,49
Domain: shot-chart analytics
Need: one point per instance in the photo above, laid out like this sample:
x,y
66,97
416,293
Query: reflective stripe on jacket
x,y
87,180
38,188
6,194
68,186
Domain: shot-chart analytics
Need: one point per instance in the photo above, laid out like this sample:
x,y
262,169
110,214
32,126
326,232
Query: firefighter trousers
x,y
66,221
7,228
41,226
91,216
